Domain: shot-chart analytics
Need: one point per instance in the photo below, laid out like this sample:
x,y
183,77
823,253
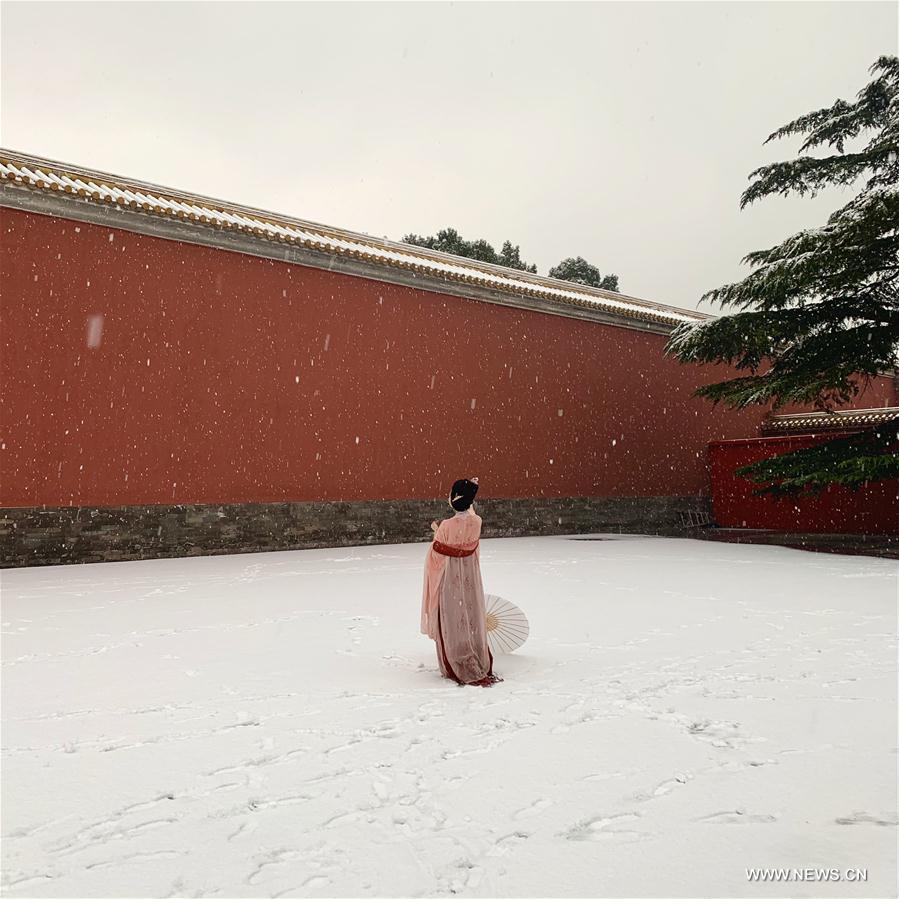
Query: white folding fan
x,y
507,626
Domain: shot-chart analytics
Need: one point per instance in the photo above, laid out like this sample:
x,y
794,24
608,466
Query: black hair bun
x,y
462,494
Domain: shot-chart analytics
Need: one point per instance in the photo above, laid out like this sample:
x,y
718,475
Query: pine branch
x,y
842,121
857,247
809,175
852,461
819,313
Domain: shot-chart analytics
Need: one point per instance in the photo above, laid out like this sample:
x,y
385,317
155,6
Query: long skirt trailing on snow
x,y
453,609
462,649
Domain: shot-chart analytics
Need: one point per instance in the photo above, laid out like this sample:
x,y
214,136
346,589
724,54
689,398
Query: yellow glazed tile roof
x,y
829,421
98,188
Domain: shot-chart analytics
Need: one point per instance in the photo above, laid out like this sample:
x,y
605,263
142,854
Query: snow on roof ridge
x,y
833,420
152,198
835,414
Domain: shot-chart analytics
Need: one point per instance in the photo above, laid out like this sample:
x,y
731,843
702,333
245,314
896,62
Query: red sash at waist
x,y
457,551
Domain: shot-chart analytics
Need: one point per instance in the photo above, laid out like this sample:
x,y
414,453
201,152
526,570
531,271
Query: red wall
x,y
222,377
870,510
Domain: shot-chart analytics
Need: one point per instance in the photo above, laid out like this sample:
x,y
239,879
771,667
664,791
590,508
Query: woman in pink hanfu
x,y
452,608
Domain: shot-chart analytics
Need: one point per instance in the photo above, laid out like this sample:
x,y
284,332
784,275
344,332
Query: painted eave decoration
x,y
851,419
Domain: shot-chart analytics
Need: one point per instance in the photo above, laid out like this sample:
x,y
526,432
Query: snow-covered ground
x,y
275,725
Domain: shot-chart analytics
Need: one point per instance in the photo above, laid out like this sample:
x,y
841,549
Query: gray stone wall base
x,y
64,535
884,546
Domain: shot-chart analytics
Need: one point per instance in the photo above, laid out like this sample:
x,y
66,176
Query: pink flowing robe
x,y
452,607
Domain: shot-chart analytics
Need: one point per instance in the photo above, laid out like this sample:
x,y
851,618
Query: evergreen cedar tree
x,y
449,240
818,317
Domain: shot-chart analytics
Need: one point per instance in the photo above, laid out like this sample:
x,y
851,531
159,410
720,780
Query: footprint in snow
x,y
504,845
533,809
742,766
865,818
606,828
665,787
737,816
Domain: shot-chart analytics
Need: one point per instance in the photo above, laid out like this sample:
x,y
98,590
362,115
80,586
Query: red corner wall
x,y
138,370
870,510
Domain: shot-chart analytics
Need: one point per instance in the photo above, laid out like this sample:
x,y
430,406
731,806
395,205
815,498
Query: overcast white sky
x,y
621,132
